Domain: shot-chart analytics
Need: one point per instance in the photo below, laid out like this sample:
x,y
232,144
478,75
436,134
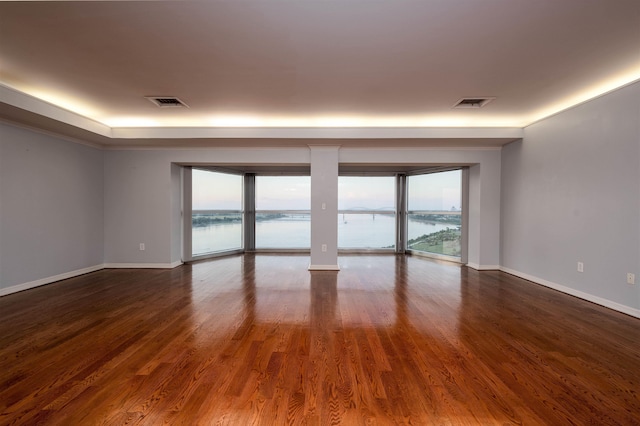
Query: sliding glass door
x,y
216,219
434,222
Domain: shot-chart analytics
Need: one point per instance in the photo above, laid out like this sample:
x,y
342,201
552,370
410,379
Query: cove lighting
x,y
231,121
321,122
132,122
460,119
601,88
63,101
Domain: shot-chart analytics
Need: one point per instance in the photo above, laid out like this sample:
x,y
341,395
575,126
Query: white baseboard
x,y
142,265
483,267
49,280
78,272
577,293
324,267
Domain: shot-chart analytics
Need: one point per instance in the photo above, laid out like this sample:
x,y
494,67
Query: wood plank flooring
x,y
258,339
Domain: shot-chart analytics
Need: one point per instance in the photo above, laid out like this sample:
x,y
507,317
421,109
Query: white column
x,y
484,216
324,207
187,214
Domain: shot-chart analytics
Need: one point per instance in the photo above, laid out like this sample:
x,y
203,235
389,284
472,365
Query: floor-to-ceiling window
x,y
421,212
283,212
434,206
366,212
216,212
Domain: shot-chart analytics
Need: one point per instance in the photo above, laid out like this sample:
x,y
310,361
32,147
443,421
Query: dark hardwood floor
x,y
260,340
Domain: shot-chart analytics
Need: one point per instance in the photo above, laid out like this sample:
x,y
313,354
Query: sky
x,y
435,191
366,192
216,191
283,193
219,191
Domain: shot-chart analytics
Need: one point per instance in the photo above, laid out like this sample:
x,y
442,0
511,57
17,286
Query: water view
x,y
224,232
434,201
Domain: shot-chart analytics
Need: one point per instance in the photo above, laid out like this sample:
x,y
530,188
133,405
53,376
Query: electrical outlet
x,y
631,278
324,247
580,267
141,246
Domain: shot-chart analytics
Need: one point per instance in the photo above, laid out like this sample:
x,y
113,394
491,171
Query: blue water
x,y
354,231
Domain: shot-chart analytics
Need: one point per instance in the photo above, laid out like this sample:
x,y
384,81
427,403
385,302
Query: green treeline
x,y
203,220
438,218
199,221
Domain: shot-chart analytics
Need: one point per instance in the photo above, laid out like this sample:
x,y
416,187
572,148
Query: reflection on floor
x,y
258,339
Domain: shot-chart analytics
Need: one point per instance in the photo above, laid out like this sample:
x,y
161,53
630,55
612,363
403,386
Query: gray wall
x,y
176,213
571,192
51,206
138,191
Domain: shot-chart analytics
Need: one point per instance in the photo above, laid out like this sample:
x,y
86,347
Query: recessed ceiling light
x,y
167,101
476,102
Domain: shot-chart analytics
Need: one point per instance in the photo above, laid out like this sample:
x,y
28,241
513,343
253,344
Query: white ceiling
x,y
292,64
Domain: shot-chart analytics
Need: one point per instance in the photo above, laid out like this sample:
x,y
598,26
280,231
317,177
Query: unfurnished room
x,y
320,212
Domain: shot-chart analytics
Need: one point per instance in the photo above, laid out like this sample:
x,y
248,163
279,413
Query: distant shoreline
x,y
207,219
219,230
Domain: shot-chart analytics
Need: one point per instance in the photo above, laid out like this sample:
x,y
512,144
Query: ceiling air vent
x,y
167,102
473,102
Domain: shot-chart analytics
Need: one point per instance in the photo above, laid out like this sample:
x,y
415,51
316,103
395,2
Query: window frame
x,y
463,213
257,212
248,211
393,249
187,212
